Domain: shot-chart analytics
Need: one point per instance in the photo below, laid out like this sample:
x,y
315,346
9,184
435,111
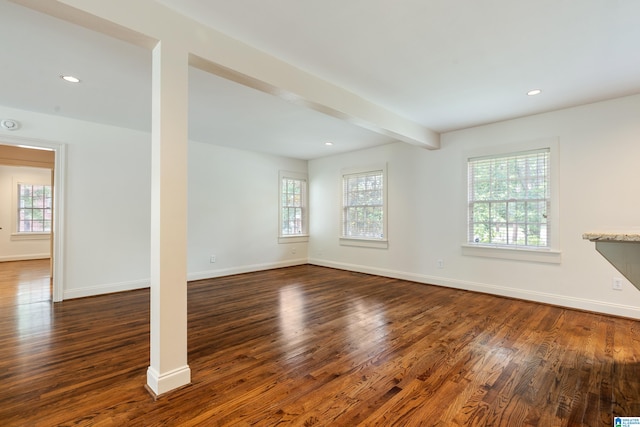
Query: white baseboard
x,y
542,297
23,257
109,288
167,381
145,283
210,274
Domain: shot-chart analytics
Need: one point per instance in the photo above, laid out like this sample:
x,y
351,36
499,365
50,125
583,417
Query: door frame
x,y
59,188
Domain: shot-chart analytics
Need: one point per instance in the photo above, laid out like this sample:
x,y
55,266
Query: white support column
x,y
168,362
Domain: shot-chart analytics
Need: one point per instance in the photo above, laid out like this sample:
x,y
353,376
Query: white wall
x,y
107,201
233,205
599,146
12,249
233,212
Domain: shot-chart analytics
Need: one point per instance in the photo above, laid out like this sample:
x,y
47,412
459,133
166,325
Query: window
x,y
34,208
364,206
511,202
293,207
509,199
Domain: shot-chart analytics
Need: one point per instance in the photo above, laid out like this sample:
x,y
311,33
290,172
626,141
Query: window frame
x,y
15,201
304,235
363,241
546,254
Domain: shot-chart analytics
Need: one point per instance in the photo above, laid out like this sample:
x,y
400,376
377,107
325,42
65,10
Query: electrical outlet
x,y
212,259
293,250
616,284
440,263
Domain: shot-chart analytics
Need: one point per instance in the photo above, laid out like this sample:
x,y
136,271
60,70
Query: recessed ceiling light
x,y
534,92
70,79
328,143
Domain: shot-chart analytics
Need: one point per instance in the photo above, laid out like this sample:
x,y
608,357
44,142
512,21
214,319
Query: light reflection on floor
x,y
28,293
292,317
367,325
33,318
32,289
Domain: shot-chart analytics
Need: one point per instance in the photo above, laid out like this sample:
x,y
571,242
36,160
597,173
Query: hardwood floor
x,y
312,346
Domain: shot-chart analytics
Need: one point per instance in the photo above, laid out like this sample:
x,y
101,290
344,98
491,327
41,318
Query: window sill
x,y
30,236
364,243
298,238
549,256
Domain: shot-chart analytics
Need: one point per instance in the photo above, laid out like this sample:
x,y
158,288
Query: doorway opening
x,y
31,224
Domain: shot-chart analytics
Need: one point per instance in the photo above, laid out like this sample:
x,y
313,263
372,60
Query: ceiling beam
x,y
144,22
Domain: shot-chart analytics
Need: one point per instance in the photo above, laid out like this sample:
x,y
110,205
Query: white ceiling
x,y
446,65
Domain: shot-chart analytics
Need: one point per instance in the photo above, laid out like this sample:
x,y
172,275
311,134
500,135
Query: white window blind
x,y
363,205
509,199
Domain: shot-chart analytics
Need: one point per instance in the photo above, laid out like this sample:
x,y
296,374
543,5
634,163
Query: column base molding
x,y
158,384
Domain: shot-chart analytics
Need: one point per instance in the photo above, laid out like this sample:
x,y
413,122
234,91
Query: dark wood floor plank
x,y
312,346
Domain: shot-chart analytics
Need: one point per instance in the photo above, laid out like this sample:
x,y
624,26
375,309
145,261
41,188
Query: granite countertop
x,y
613,236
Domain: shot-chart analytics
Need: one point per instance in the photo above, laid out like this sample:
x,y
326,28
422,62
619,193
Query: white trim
x,y
553,250
17,181
294,238
632,312
30,236
59,191
107,288
364,243
210,274
23,257
170,380
519,254
59,220
381,243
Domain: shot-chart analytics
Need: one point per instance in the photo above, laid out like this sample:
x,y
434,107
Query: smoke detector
x,y
9,124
